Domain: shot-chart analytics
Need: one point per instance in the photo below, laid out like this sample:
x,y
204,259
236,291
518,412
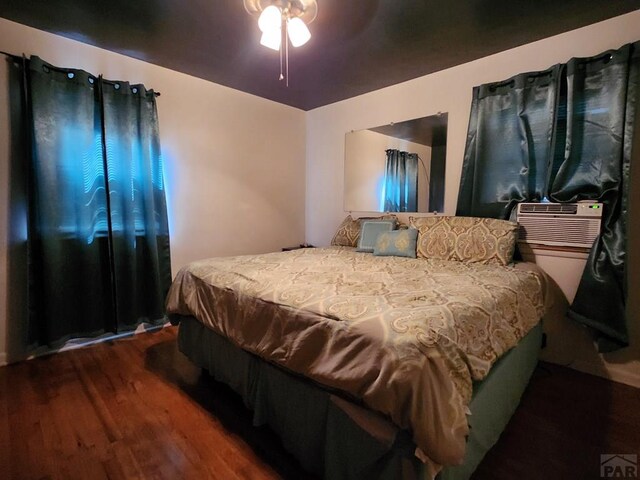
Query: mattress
x,y
405,337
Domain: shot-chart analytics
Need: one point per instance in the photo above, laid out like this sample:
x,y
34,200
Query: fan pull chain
x,y
286,49
282,34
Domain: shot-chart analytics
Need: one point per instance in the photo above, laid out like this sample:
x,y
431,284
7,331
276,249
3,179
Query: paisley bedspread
x,y
404,336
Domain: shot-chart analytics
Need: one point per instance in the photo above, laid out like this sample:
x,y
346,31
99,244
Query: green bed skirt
x,y
327,434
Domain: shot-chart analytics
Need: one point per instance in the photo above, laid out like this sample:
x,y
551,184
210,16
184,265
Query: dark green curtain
x,y
564,134
98,232
139,228
401,182
602,94
509,147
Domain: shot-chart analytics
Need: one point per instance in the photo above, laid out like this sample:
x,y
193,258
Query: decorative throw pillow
x,y
370,231
466,239
348,232
399,243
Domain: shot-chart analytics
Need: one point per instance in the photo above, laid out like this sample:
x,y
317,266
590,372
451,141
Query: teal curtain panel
x,y
509,144
139,226
562,135
98,232
401,182
601,102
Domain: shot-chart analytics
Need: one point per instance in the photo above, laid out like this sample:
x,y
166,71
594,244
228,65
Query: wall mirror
x,y
398,167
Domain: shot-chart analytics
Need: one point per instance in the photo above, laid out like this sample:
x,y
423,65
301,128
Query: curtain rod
x,y
20,57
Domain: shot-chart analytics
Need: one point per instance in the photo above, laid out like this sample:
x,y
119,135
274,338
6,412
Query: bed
x,y
367,365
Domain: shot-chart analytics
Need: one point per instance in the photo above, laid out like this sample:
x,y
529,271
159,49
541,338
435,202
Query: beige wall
x,y
450,91
234,163
365,163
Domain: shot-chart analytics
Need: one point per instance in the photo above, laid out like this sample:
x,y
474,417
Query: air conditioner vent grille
x,y
578,232
557,208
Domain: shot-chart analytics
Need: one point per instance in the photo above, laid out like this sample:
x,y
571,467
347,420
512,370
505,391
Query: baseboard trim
x,y
85,342
616,373
82,343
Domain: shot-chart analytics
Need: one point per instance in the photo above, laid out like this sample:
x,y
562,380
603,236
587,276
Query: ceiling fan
x,y
281,22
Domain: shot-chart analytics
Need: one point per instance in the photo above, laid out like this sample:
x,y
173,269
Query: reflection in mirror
x,y
398,167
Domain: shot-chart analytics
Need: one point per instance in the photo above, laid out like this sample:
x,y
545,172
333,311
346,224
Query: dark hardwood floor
x,y
136,408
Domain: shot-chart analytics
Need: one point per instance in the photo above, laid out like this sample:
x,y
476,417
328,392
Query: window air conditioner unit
x,y
559,224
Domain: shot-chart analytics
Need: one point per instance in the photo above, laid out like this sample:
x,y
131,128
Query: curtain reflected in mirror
x,y
398,167
400,192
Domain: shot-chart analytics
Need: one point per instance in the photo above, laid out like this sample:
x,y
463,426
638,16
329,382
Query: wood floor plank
x,y
5,443
566,420
138,409
86,378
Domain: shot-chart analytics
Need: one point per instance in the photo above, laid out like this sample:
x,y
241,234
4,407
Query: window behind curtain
x,y
566,136
98,230
509,144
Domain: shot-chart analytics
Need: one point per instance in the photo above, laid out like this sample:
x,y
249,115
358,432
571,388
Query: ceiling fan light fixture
x,y
272,38
282,22
270,19
298,31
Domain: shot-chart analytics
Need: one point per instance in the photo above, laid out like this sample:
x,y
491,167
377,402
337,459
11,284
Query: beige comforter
x,y
405,336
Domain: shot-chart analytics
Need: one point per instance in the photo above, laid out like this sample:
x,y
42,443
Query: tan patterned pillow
x,y
466,239
348,232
